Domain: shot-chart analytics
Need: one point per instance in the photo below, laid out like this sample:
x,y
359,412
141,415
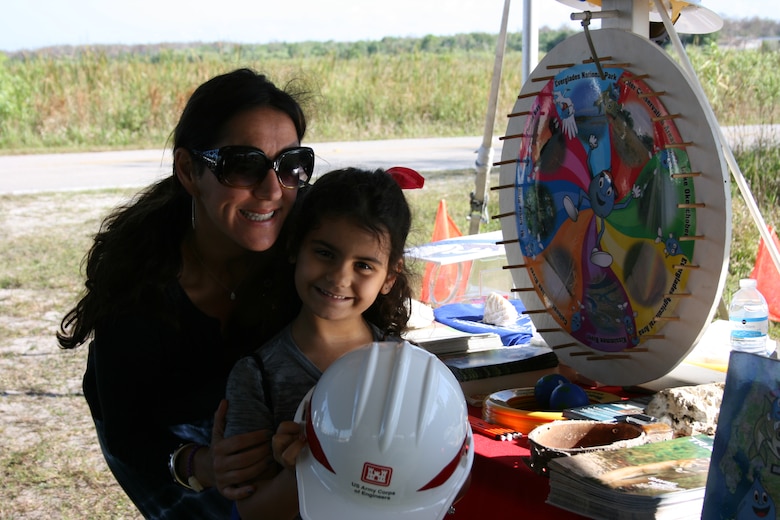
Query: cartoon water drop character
x,y
756,503
601,196
671,244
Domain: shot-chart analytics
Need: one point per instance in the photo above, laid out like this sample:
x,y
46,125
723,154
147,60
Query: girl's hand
x,y
239,460
288,443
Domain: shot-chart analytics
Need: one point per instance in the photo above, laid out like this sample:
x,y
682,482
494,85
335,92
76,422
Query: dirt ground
x,y
50,463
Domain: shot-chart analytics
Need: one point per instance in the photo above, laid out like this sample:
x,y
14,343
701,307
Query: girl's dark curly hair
x,y
374,201
136,253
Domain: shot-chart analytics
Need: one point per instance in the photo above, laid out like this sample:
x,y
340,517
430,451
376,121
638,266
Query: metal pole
x,y
634,16
530,40
485,153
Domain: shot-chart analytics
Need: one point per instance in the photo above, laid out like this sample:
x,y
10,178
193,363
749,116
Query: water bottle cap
x,y
747,282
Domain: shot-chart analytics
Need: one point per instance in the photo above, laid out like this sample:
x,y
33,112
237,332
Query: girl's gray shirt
x,y
265,388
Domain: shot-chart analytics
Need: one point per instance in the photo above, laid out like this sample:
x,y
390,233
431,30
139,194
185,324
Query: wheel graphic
x,y
614,204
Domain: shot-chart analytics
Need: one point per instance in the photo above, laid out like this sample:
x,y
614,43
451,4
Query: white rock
x,y
420,314
499,311
689,410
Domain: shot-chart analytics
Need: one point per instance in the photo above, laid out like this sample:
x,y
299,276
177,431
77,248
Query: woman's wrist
x,y
192,479
182,464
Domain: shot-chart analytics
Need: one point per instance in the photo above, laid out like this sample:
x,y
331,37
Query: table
x,y
501,482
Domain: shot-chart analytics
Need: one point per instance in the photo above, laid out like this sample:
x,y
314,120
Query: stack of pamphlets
x,y
461,343
660,480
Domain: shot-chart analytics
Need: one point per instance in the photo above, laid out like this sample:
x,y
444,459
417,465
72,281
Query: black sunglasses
x,y
246,166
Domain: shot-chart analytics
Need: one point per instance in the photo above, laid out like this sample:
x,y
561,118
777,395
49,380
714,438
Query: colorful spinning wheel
x,y
615,207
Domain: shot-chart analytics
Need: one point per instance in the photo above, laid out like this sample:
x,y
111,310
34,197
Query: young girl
x,y
348,243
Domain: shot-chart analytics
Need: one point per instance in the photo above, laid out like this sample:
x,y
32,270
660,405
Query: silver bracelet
x,y
192,482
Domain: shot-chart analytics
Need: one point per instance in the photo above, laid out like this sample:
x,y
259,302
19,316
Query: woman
x,y
180,284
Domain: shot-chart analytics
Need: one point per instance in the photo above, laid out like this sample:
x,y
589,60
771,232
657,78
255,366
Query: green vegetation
x,y
108,98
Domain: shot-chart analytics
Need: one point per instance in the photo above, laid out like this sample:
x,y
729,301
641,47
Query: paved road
x,y
80,171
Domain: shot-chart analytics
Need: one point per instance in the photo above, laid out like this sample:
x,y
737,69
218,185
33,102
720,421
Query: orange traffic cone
x,y
767,278
444,227
444,283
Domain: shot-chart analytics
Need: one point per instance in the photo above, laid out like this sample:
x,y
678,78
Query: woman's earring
x,y
193,212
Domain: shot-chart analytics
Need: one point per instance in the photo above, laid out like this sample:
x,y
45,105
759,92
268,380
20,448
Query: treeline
x,y
477,42
387,46
750,28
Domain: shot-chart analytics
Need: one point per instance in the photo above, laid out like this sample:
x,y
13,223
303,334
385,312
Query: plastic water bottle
x,y
749,317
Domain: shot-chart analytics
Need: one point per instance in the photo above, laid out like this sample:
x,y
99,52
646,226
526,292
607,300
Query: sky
x,y
32,24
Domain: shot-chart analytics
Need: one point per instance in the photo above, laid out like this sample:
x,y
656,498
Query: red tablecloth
x,y
502,483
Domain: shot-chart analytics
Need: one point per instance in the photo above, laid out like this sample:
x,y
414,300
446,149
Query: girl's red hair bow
x,y
406,178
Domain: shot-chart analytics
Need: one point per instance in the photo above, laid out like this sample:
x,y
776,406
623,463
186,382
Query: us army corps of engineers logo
x,y
374,475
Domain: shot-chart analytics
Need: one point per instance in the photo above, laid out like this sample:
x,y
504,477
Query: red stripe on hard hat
x,y
449,469
314,442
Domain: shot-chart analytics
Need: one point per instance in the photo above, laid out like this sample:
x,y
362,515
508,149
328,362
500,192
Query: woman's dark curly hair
x,y
374,201
136,253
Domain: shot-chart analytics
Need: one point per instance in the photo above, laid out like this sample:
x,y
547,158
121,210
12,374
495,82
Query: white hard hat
x,y
387,436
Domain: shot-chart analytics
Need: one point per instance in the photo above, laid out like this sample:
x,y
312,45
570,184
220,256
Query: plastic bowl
x,y
517,408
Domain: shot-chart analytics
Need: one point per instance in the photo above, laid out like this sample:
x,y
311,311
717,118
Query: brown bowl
x,y
567,438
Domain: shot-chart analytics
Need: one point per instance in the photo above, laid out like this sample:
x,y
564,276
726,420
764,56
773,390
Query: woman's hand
x,y
239,460
288,443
